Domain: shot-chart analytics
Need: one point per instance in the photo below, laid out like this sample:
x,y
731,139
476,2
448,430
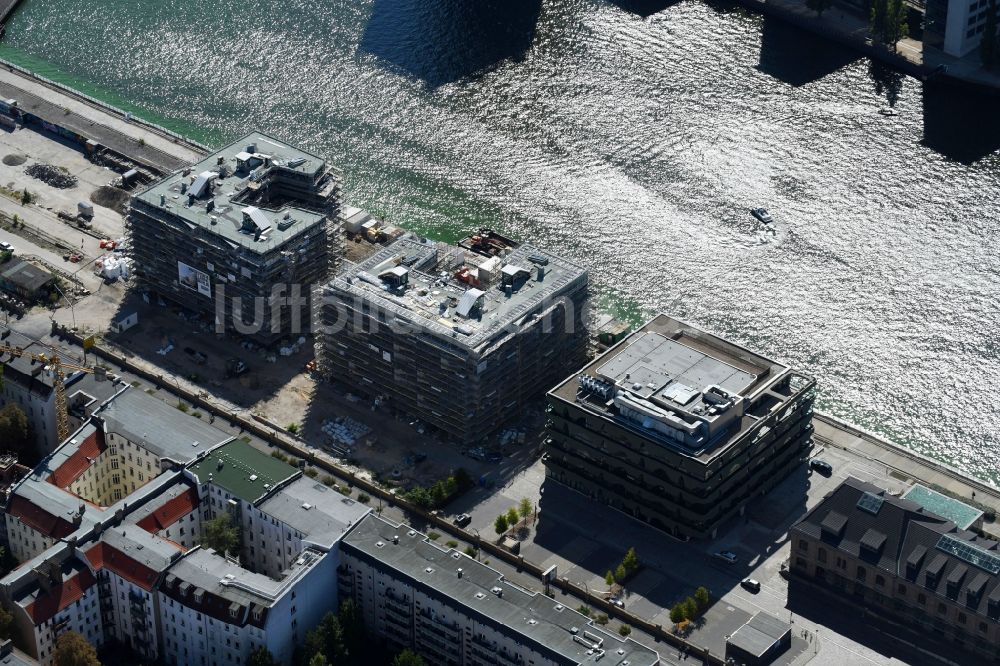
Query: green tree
x,y
332,632
500,524
15,433
702,598
631,560
6,621
620,573
678,613
72,649
512,516
819,6
318,660
462,478
220,535
525,507
989,47
897,27
408,658
609,578
261,657
624,630
888,21
690,608
352,624
419,496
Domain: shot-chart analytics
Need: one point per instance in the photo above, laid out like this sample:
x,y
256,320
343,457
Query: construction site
x,y
241,236
461,338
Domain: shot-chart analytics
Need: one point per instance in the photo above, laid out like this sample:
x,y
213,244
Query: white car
x,y
6,247
726,556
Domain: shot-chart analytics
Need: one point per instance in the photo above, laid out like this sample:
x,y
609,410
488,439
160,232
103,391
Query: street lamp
x,y
72,309
479,541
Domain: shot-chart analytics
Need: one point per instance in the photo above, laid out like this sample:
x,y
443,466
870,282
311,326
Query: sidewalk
x,y
903,463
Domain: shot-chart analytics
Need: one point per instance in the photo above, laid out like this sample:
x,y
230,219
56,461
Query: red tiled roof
x,y
38,519
60,596
170,512
103,556
78,463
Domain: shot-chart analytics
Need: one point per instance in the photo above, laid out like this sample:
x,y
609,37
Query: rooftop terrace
x,y
957,512
212,195
243,471
418,281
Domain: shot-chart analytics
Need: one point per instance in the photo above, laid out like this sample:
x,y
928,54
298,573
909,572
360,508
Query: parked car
x,y
726,556
6,247
821,466
494,457
463,519
750,585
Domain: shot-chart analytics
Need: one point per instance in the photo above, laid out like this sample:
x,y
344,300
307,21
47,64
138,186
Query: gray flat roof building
x,y
252,218
678,427
484,600
456,339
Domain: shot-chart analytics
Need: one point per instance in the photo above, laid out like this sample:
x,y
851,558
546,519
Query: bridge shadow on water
x,y
960,122
643,8
442,41
796,57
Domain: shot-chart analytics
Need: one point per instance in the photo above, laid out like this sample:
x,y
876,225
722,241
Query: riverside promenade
x,y
851,30
906,465
141,142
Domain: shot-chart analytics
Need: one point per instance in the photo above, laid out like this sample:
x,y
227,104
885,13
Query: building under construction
x,y
458,338
237,234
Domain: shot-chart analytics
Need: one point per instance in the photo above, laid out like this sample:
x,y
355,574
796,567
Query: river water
x,y
632,136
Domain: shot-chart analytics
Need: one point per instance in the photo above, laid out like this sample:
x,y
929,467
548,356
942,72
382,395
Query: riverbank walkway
x,y
135,140
852,30
904,464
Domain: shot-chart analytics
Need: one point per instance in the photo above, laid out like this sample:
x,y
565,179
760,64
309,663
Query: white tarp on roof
x,y
258,218
200,184
468,301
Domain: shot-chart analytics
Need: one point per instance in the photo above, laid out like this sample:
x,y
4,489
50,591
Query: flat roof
x,y
205,569
243,471
545,625
158,427
228,213
322,514
25,275
954,510
431,300
760,634
678,385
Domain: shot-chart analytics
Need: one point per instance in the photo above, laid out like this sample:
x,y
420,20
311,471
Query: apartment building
x,y
910,566
678,427
235,236
454,338
129,567
31,386
956,27
454,610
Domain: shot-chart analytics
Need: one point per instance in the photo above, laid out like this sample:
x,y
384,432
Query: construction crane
x,y
59,368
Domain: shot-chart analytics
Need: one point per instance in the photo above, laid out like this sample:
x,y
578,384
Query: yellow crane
x,y
59,368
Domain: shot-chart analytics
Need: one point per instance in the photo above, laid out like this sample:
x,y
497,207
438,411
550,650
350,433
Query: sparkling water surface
x,y
632,136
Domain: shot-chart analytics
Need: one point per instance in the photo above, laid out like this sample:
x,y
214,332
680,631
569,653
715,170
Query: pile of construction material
x,y
51,175
113,267
345,430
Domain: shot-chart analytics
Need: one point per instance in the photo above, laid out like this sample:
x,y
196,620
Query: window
x,y
804,546
822,555
921,598
962,618
901,589
861,573
880,581
942,608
